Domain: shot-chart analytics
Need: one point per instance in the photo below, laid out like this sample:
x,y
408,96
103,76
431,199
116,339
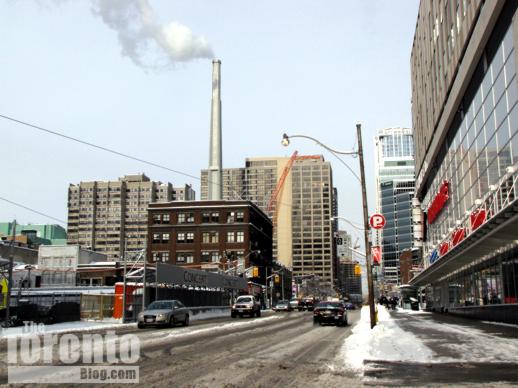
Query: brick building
x,y
212,235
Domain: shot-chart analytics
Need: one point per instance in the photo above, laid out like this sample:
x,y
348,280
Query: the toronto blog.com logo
x,y
40,357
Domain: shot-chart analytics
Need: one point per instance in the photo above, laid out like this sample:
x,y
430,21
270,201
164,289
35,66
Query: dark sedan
x,y
164,313
330,312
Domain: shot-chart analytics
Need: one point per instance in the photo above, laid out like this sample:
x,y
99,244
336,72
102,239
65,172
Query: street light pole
x,y
366,228
286,141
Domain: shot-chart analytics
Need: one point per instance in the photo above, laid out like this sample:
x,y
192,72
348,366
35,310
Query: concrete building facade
x,y
465,118
111,216
303,234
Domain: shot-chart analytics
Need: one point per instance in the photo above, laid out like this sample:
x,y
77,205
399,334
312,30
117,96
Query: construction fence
x,y
97,307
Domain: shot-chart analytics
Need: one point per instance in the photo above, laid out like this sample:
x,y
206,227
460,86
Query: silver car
x,y
164,313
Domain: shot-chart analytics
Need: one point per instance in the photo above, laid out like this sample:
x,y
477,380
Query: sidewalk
x,y
457,339
416,348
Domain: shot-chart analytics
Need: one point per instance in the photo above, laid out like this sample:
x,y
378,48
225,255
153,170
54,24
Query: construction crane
x,y
272,205
276,194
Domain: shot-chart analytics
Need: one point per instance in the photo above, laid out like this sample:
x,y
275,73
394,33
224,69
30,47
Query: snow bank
x,y
387,341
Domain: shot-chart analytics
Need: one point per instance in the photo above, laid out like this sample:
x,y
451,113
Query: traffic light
x,y
255,272
357,270
277,279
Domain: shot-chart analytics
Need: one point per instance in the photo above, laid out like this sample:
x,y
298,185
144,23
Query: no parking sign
x,y
377,221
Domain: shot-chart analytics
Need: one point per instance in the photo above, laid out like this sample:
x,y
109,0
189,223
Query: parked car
x,y
164,313
330,312
283,305
246,304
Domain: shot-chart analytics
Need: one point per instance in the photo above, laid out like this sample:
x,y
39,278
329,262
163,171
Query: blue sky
x,y
297,66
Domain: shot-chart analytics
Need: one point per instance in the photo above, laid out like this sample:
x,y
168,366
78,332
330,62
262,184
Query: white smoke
x,y
145,41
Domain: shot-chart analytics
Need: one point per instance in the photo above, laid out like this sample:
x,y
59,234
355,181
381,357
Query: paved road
x,y
287,350
279,350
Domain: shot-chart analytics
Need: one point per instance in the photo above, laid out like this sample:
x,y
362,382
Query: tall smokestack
x,y
215,153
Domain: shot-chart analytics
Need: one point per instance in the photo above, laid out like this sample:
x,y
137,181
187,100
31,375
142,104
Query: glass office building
x,y
394,165
467,179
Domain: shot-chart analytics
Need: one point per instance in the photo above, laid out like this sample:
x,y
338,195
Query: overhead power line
x,y
106,149
97,146
32,210
119,153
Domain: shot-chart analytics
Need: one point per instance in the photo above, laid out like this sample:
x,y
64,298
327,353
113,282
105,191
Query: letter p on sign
x,y
377,221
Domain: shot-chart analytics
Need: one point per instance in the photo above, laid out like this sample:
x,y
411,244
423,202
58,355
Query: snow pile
x,y
387,341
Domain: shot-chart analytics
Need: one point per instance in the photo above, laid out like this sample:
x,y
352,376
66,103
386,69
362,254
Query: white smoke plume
x,y
145,41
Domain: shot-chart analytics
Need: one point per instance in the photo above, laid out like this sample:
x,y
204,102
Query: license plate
x,y
239,310
149,319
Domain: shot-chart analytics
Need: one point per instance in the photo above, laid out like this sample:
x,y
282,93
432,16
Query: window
x,y
240,216
190,218
215,257
161,257
210,217
156,238
165,237
205,256
230,237
160,218
181,218
231,217
240,236
190,237
180,238
185,257
210,237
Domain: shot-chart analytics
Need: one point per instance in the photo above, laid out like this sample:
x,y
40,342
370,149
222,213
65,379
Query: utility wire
x,y
127,156
32,210
106,149
97,146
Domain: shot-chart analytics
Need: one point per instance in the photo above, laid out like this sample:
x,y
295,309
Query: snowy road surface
x,y
279,350
287,350
282,349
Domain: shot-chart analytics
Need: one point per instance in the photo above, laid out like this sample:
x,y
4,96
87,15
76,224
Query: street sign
x,y
376,255
377,221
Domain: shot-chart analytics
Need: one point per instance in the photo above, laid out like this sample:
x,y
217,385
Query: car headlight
x,y
140,315
160,316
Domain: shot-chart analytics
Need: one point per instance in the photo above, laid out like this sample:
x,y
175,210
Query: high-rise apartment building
x,y
111,217
303,233
184,193
394,172
465,118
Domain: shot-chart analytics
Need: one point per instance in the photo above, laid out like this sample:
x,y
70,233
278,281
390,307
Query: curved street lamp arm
x,y
349,222
286,138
